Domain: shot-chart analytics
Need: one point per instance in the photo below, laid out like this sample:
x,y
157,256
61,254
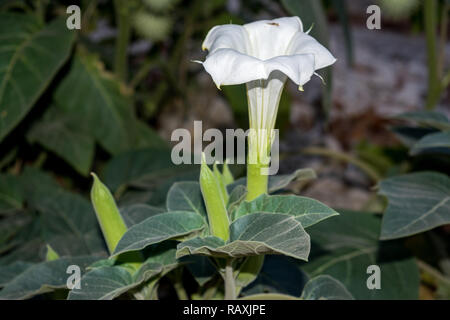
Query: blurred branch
x,y
143,71
341,156
89,9
178,61
122,39
434,85
437,276
443,37
340,6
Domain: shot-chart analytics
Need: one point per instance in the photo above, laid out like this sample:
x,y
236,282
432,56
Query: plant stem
x,y
256,182
177,280
346,158
230,285
181,292
434,86
122,40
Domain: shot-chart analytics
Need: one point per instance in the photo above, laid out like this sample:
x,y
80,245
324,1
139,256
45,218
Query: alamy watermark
x,y
230,147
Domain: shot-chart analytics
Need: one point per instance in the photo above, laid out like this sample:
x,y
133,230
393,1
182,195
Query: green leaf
x,y
254,234
186,196
43,277
30,57
141,168
9,272
236,197
67,220
104,283
102,107
424,118
200,267
325,287
432,142
307,211
108,282
417,202
279,274
345,246
136,213
158,228
58,132
11,198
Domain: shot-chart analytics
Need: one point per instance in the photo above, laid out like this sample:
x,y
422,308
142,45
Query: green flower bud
x,y
51,254
221,182
108,216
214,201
227,175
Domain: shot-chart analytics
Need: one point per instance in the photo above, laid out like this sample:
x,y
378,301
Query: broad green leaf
x,y
58,132
345,246
108,281
424,118
280,182
325,287
43,277
66,219
136,213
200,267
104,283
30,56
307,211
279,274
254,234
417,202
432,143
11,198
410,135
186,196
141,168
102,106
158,228
10,228
236,197
9,272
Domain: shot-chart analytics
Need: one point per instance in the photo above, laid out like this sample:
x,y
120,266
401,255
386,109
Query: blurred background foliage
x,y
106,98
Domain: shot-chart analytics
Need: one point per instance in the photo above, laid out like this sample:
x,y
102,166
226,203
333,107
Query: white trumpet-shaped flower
x,y
263,54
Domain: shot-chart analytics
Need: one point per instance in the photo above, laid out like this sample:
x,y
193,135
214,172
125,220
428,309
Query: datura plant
x,y
231,223
219,229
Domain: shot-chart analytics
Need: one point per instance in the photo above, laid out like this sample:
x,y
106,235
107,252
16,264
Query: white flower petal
x,y
270,38
299,67
305,44
228,67
228,36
